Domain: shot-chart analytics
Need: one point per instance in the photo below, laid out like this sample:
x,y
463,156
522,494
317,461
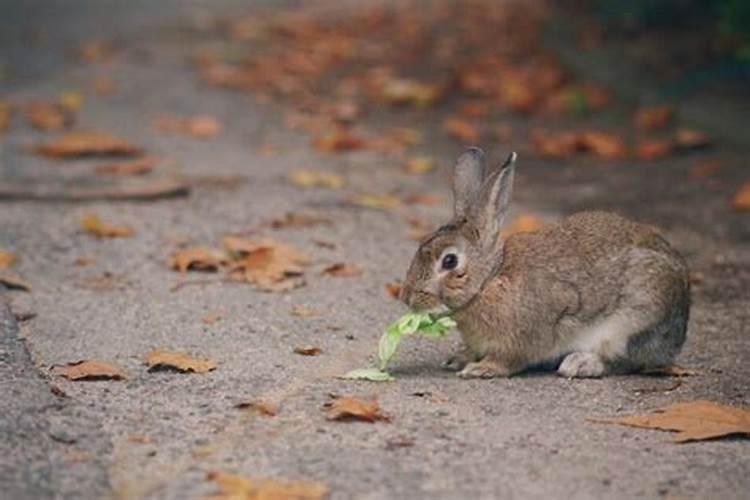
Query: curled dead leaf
x,y
13,281
692,420
347,408
653,117
339,139
266,408
236,487
197,259
93,224
201,126
342,270
88,143
270,265
179,361
315,178
393,289
308,350
89,369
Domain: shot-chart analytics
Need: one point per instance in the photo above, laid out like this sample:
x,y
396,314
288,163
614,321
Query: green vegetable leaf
x,y
372,374
409,324
388,344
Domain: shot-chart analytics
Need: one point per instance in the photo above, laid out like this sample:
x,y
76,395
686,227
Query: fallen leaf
x,y
424,199
201,126
653,117
5,113
686,138
379,201
393,289
236,487
339,139
517,94
308,350
270,265
48,116
315,178
266,408
407,91
303,311
14,281
554,144
139,166
371,374
197,259
93,224
342,270
671,371
7,258
160,359
604,144
351,408
211,318
692,420
523,223
741,199
298,219
461,130
652,150
90,369
419,165
71,100
88,143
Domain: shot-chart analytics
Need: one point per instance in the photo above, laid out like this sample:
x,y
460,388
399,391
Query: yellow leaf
x,y
90,369
420,165
236,487
382,201
315,178
197,259
7,258
94,225
350,408
178,361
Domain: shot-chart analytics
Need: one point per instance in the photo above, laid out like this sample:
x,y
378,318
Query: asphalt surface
x,y
155,435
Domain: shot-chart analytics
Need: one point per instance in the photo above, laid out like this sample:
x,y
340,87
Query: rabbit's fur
x,y
596,291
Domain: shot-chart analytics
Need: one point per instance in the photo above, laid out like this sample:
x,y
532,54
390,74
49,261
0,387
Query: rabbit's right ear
x,y
492,206
467,181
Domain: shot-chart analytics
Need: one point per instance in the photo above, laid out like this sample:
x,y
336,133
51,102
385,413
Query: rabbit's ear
x,y
467,180
490,209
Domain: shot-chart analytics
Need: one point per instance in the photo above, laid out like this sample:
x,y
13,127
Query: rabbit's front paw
x,y
582,365
486,368
458,361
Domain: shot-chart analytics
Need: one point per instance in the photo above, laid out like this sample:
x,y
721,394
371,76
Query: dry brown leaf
x,y
653,150
671,371
351,408
14,281
686,138
201,126
266,408
197,259
93,224
139,166
308,350
88,143
303,311
604,144
339,139
524,223
461,130
90,369
419,165
380,201
236,487
270,265
7,258
342,270
393,289
178,361
48,116
5,113
692,420
315,178
741,199
654,117
424,199
211,318
298,219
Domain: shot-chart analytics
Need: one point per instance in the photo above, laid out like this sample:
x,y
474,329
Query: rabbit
x,y
594,294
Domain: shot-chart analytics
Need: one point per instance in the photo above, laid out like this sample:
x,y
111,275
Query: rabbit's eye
x,y
450,261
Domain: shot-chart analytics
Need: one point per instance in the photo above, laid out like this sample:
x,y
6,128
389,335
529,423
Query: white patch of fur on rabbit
x,y
593,294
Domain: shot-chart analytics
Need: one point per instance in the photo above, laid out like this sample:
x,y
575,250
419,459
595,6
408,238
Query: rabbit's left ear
x,y
492,205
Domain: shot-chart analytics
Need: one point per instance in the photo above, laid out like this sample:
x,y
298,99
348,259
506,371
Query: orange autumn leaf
x,y
197,258
201,126
554,144
270,265
652,150
419,165
604,144
691,420
339,139
308,350
517,93
7,258
139,166
236,487
687,138
48,116
93,224
342,270
350,408
160,359
88,143
393,289
741,199
461,130
265,408
90,369
524,223
653,117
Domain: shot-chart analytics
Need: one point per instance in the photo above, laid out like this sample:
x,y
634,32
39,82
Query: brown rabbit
x,y
595,293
